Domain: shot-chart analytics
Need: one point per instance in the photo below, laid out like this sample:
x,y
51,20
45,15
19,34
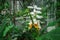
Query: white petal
x,y
39,16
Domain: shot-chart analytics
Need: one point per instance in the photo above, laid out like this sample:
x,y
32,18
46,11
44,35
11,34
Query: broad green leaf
x,y
7,29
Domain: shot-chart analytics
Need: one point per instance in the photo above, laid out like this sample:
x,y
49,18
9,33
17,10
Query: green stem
x,y
31,18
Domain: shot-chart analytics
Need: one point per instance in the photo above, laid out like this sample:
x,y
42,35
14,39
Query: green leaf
x,y
54,22
7,29
52,35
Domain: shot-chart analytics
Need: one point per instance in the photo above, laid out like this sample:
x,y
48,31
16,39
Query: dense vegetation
x,y
9,30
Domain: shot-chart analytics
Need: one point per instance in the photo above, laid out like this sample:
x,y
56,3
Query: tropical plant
x,y
10,31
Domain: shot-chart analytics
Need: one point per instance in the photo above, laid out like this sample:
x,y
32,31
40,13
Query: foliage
x,y
52,35
9,31
58,11
22,12
29,35
26,3
54,22
3,4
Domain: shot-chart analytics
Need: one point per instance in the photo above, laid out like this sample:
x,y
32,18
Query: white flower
x,y
39,16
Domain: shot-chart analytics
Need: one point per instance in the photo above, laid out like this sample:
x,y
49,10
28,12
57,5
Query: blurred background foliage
x,y
9,31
